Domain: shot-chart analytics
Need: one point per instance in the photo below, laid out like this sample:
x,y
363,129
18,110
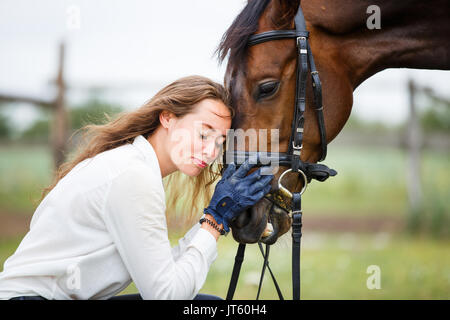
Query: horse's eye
x,y
267,89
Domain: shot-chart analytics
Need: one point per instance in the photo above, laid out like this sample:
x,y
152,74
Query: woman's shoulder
x,y
130,158
126,163
138,172
121,163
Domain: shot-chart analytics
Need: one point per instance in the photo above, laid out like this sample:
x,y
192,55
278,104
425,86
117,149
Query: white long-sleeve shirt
x,y
101,227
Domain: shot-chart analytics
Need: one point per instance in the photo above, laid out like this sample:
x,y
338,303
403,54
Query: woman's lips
x,y
199,163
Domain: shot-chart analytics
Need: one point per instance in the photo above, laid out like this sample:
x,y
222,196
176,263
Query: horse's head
x,y
262,82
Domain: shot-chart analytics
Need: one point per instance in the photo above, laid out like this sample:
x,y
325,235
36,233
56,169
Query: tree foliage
x,y
436,118
92,111
5,129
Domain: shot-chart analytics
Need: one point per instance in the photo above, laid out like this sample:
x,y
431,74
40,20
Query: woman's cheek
x,y
197,147
180,145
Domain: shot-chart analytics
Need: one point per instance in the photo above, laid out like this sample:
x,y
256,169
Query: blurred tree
x,y
436,118
39,131
93,111
5,129
355,123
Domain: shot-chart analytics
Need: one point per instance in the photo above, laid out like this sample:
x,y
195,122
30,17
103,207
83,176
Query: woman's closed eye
x,y
219,140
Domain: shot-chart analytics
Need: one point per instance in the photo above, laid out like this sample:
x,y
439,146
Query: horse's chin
x,y
281,222
251,225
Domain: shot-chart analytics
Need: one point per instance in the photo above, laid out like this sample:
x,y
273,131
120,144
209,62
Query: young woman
x,y
102,224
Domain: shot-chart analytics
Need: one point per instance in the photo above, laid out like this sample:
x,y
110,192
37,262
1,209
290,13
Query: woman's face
x,y
196,139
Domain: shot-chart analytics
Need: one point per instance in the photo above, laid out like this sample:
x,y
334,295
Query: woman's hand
x,y
236,192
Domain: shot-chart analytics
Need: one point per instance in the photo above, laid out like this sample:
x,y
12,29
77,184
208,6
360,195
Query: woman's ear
x,y
165,118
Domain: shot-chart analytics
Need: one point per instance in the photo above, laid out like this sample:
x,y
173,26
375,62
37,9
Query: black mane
x,y
235,39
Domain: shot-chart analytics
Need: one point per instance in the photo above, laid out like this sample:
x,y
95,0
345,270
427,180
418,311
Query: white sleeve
x,y
135,217
184,242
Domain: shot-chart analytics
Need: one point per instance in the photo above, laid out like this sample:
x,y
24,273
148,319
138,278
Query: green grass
x,y
369,181
7,247
373,181
333,266
24,172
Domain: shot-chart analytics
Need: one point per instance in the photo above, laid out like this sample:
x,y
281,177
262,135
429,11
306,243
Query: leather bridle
x,y
305,170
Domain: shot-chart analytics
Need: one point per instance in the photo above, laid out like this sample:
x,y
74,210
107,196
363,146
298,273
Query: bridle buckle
x,y
296,149
300,38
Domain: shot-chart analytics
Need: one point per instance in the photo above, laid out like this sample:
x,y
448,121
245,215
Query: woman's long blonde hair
x,y
180,98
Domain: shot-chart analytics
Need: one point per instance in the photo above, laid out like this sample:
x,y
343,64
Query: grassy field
x,y
24,172
370,183
334,266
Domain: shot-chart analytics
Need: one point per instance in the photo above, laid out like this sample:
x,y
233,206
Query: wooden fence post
x,y
60,121
414,145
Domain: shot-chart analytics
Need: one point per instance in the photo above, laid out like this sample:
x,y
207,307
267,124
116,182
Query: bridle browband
x,y
306,171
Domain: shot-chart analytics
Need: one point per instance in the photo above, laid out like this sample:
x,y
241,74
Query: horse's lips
x,y
268,231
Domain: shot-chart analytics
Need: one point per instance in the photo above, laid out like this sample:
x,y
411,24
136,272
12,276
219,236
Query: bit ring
x,y
285,191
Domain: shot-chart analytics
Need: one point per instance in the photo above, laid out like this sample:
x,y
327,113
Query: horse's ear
x,y
282,12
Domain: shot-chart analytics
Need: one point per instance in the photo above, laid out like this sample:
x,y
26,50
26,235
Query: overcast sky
x,y
135,47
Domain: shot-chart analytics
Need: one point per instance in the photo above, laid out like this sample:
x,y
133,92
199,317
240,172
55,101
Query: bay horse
x,y
262,78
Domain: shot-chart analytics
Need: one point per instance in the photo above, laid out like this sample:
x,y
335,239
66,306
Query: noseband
x,y
305,170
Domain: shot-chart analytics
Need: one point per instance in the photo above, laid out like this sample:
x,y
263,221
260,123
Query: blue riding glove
x,y
236,192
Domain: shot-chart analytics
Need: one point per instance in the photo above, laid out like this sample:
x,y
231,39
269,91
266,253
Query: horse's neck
x,y
413,34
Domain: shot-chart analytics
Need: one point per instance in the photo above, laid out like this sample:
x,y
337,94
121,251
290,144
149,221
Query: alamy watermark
x,y
69,281
374,20
187,142
73,17
374,280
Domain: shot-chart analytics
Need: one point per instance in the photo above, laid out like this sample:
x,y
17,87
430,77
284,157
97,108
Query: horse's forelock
x,y
234,41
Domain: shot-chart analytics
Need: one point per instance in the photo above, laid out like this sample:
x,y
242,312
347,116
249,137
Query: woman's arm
x,y
179,249
135,217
